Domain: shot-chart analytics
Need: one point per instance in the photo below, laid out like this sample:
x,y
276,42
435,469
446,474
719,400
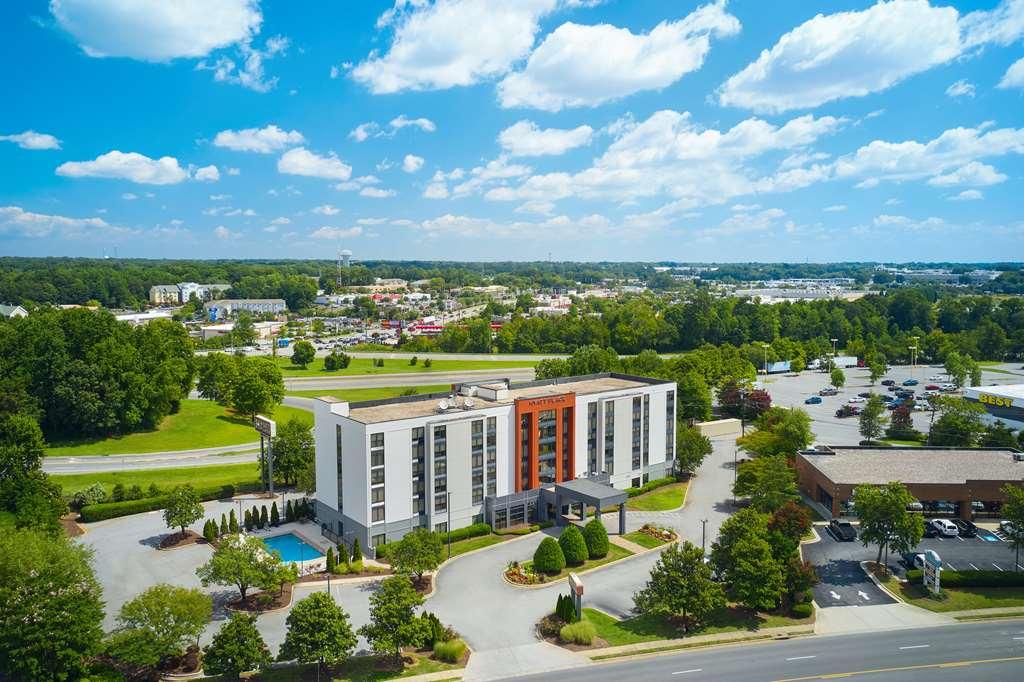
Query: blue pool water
x,y
293,548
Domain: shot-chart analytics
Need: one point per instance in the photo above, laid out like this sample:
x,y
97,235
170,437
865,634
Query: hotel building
x,y
491,452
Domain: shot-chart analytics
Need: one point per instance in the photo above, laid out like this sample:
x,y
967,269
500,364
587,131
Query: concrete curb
x,y
433,582
671,646
882,587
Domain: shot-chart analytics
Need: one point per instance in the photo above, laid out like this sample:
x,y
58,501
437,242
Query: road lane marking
x,y
1020,567
683,672
834,594
997,566
959,538
1018,638
925,666
800,658
950,566
863,595
915,646
973,566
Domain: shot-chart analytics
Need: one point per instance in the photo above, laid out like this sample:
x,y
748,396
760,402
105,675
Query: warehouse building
x,y
961,482
494,452
1001,403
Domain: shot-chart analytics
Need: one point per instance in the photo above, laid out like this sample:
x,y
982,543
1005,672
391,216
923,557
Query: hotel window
x,y
636,433
670,425
440,468
441,527
377,477
492,456
566,434
477,459
337,445
524,454
592,466
546,446
609,437
419,455
440,502
647,430
378,540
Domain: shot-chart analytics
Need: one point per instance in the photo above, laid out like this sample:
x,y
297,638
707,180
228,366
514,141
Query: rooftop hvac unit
x,y
468,403
443,405
1018,457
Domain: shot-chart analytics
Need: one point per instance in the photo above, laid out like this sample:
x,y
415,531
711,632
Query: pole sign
x,y
267,428
932,571
576,590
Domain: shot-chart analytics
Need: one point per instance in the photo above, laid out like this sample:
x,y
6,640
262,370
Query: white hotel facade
x,y
491,452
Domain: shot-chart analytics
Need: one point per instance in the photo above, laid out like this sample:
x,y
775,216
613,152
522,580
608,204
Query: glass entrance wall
x,y
546,446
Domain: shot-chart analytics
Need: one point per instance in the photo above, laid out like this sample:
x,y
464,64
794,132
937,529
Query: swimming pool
x,y
293,548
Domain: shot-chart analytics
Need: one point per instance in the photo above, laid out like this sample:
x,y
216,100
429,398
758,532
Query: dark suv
x,y
842,530
966,528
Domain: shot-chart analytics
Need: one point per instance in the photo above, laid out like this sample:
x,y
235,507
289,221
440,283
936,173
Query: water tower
x,y
346,258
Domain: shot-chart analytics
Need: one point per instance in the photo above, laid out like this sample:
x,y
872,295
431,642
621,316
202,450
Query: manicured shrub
x,y
248,520
289,512
275,517
428,362
438,631
649,486
574,547
117,493
345,565
134,493
153,490
224,529
801,610
451,651
413,360
112,510
565,608
232,523
330,560
264,517
357,551
972,578
94,494
209,531
582,633
549,557
474,531
596,537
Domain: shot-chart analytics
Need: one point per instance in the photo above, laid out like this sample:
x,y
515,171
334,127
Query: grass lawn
x,y
359,394
643,539
198,424
356,669
664,498
396,366
649,628
470,544
614,554
964,598
6,521
214,475
903,443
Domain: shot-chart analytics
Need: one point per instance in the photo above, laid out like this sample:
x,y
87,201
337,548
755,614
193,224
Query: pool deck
x,y
295,528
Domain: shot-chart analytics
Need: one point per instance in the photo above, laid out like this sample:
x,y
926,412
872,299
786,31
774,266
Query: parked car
x,y
945,528
888,382
865,394
910,382
1007,528
937,377
842,530
856,399
947,388
929,531
847,411
829,391
913,560
931,387
923,407
893,388
966,529
813,400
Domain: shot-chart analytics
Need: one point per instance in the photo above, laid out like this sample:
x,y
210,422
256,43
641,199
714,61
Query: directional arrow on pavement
x,y
863,595
834,595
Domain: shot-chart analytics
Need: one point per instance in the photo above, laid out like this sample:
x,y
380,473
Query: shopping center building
x,y
494,452
1002,403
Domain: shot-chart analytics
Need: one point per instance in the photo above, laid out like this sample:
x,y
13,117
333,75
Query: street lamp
x,y
449,505
766,347
241,524
703,534
913,359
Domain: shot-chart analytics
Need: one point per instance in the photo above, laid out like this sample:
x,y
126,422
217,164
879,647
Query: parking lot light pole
x,y
703,535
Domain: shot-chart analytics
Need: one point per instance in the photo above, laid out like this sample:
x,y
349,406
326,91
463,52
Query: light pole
x,y
241,523
913,359
834,342
766,347
703,534
449,505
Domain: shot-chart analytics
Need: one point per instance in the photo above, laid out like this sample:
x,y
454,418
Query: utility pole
x,y
449,505
703,534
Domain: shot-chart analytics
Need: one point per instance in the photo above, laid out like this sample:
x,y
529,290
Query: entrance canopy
x,y
591,493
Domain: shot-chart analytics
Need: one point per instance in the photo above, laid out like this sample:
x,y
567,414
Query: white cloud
x,y
207,174
127,166
436,190
327,209
846,54
538,207
498,171
372,221
835,208
357,183
18,221
336,232
250,72
961,88
221,232
578,66
1002,25
301,161
281,221
30,139
973,174
412,163
234,171
743,222
401,121
525,138
263,140
248,212
451,42
1014,76
376,192
128,196
157,31
967,195
744,207
557,227
219,197
363,131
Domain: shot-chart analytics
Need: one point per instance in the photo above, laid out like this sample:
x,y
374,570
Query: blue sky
x,y
492,130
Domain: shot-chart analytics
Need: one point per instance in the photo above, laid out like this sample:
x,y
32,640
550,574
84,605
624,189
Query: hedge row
x,y
112,510
649,486
973,578
474,531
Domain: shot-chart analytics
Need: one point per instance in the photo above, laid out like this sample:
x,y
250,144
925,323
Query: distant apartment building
x,y
223,309
493,452
12,311
182,292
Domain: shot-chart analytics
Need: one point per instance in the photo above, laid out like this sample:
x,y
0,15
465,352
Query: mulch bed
x,y
253,604
71,527
175,540
322,575
548,628
424,584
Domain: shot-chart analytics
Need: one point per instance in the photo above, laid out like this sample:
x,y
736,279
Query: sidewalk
x,y
627,544
699,640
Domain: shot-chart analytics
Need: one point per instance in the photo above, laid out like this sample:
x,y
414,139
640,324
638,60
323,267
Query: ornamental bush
x,y
264,517
582,633
574,547
275,517
330,560
450,651
289,512
224,529
801,610
565,608
549,557
596,536
952,578
209,531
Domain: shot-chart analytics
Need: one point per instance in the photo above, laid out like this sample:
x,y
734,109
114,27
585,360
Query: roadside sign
x,y
265,427
932,571
576,590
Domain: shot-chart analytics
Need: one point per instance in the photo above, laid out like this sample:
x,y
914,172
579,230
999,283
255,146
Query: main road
x,y
966,651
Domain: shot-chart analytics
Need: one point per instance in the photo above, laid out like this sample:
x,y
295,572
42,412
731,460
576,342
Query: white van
x,y
945,528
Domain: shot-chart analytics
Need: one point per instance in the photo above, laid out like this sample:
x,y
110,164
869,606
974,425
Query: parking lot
x,y
844,583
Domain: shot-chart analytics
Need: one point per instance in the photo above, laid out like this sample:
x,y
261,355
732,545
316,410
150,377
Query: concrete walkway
x,y
845,619
626,544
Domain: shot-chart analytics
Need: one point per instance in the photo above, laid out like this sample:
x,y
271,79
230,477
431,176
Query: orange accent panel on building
x,y
531,408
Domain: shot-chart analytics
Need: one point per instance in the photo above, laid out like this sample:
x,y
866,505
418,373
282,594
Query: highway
x,y
338,383
985,651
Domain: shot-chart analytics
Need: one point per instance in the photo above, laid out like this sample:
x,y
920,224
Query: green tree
x,y
183,508
998,435
745,523
1013,511
837,378
877,368
884,519
956,368
25,491
318,632
769,482
217,374
303,353
275,516
418,552
293,451
232,523
243,332
260,386
393,623
596,536
872,418
223,529
693,398
786,528
800,576
574,547
680,585
548,557
779,431
50,621
691,448
173,617
756,579
236,648
960,423
244,562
